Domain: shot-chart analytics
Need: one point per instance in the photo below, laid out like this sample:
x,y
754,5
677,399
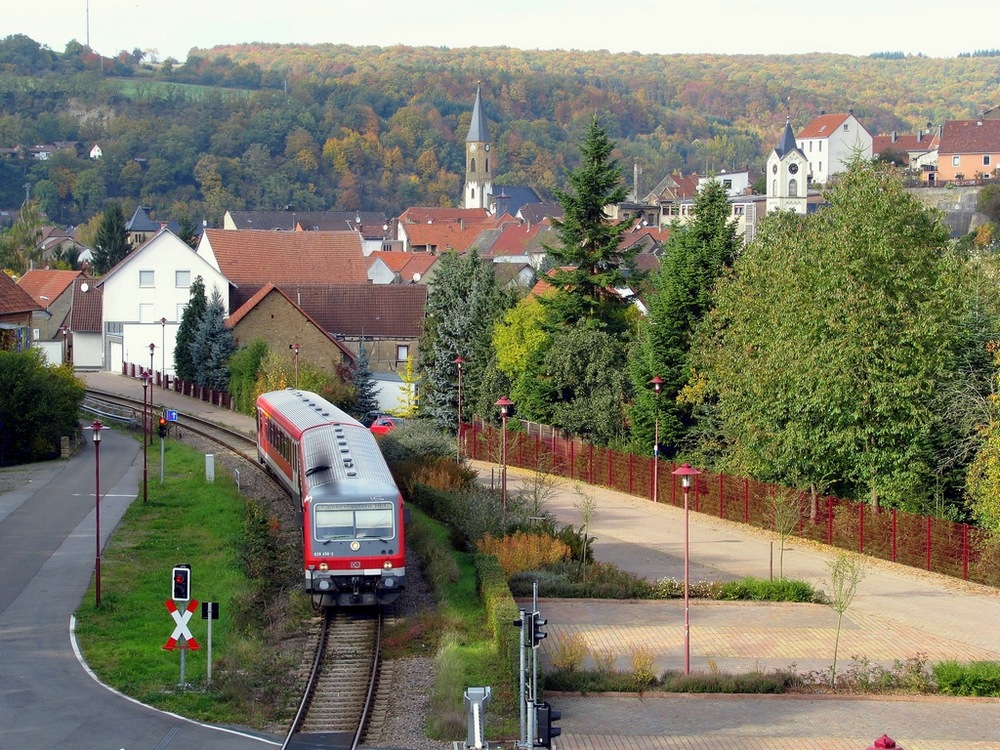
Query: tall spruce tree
x,y
365,397
213,345
694,257
111,240
463,305
190,319
587,263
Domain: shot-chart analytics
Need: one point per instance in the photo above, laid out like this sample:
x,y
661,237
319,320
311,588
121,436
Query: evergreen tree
x,y
694,257
365,396
190,319
588,263
463,305
111,242
213,345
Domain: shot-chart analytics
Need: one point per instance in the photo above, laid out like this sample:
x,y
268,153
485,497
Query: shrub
x,y
570,653
642,666
523,551
977,678
765,590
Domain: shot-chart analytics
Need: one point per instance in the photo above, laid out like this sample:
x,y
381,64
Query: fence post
x,y
861,528
572,459
590,465
746,500
965,552
928,542
722,512
630,473
611,473
829,521
894,535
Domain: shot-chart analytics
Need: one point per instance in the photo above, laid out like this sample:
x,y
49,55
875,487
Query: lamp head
x,y
96,427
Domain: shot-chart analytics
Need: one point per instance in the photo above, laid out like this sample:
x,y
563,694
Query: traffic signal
x,y
535,632
163,427
182,583
544,716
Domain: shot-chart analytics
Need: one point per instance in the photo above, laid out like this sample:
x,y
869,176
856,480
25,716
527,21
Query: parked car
x,y
384,424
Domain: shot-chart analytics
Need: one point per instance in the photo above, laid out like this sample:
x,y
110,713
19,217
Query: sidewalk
x,y
899,613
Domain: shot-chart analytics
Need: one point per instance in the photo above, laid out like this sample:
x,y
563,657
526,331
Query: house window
x,y
820,167
956,161
146,313
793,188
986,160
820,146
846,127
182,279
810,146
738,210
727,184
146,278
402,352
774,188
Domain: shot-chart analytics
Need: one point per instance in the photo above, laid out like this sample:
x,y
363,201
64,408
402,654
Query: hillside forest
x,y
367,128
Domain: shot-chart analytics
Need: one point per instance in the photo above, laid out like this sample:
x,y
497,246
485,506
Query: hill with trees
x,y
366,128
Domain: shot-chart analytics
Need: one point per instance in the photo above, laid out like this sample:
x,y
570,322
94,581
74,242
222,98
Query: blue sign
x,y
171,415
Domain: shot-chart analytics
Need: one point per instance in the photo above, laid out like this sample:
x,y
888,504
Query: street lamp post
x,y
504,403
458,362
65,332
657,383
146,381
152,348
163,351
685,472
96,427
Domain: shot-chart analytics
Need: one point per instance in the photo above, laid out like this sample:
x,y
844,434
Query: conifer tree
x,y
365,397
588,264
190,319
213,345
111,241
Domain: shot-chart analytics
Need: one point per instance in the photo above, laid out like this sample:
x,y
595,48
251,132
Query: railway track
x,y
341,687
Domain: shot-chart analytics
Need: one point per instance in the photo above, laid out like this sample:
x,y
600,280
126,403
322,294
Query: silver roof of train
x,y
336,446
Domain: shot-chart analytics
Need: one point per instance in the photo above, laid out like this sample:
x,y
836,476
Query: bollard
x,y
885,741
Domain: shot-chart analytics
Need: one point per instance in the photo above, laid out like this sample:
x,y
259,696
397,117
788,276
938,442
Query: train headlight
x,y
324,567
387,565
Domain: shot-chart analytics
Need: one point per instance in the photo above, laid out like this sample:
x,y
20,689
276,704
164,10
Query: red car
x,y
385,424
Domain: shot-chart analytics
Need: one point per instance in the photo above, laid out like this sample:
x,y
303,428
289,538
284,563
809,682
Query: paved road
x,y
47,537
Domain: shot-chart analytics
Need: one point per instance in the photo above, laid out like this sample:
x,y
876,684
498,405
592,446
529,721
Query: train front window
x,y
340,521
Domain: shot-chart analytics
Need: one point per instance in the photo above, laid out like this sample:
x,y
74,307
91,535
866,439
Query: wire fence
x,y
933,544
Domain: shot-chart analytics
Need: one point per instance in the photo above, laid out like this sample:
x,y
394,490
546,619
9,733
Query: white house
x,y
144,297
830,141
96,152
735,183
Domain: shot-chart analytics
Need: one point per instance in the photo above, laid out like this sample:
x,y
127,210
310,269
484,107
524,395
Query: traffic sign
x,y
171,415
181,632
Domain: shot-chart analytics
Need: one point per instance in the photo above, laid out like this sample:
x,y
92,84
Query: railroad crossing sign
x,y
182,633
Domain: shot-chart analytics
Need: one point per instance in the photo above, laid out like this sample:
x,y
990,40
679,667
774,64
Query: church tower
x,y
478,159
787,175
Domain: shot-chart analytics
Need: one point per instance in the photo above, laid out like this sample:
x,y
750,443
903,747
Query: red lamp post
x,y
147,378
458,362
96,427
504,404
657,383
685,472
152,348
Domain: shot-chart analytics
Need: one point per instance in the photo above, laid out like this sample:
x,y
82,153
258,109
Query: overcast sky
x,y
938,28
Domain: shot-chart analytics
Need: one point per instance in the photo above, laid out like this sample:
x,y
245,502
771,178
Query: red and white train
x,y
352,512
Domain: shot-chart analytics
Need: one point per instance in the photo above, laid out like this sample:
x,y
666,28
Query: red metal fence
x,y
932,544
184,387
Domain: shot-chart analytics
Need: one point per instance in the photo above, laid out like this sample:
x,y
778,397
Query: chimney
x,y
893,136
461,224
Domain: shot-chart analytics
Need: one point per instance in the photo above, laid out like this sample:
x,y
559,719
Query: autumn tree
x,y
827,348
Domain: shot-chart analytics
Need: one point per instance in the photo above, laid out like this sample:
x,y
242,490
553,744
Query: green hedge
x,y
501,610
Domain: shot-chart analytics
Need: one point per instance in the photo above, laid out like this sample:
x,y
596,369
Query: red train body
x,y
352,512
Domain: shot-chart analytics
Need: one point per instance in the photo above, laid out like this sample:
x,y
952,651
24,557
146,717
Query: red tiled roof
x,y
13,299
970,137
87,313
514,239
249,258
45,285
443,236
823,126
405,264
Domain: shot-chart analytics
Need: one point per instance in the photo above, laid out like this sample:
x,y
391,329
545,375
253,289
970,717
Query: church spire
x,y
478,131
787,142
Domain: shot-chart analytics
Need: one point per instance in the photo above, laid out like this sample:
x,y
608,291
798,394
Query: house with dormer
x,y
969,149
830,141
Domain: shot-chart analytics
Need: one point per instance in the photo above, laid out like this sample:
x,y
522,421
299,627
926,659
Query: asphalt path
x,y
48,698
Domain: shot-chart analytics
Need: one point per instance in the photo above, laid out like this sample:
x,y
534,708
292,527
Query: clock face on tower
x,y
793,168
487,147
774,168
